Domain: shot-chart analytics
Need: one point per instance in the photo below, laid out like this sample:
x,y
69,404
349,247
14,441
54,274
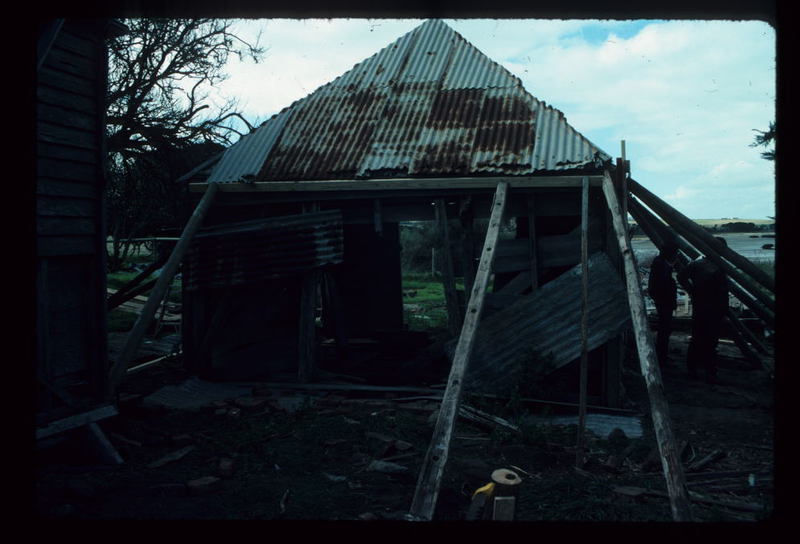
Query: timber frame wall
x,y
378,204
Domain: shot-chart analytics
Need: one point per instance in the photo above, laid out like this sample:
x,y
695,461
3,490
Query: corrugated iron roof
x,y
429,104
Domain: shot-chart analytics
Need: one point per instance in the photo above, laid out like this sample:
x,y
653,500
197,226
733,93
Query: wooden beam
x,y
700,238
454,318
75,421
580,452
400,184
307,326
307,337
670,459
741,342
104,448
466,216
121,295
136,334
746,333
430,475
656,230
658,235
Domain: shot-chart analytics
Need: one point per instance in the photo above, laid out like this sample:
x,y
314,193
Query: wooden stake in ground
x,y
670,458
580,454
430,475
145,318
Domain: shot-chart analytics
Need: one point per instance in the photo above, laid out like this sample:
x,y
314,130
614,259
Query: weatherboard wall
x,y
70,230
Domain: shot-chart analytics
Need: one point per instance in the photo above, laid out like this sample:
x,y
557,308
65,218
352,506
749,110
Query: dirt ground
x,y
287,454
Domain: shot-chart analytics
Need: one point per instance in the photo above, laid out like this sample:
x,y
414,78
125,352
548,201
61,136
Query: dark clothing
x,y
661,285
708,287
664,292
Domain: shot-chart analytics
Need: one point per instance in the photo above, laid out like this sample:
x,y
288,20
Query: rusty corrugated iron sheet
x,y
429,104
547,322
254,251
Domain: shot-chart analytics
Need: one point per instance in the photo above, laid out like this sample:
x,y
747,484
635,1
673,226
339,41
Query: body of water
x,y
742,243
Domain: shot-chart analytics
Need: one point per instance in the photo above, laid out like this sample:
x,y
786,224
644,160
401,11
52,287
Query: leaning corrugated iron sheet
x,y
547,321
429,104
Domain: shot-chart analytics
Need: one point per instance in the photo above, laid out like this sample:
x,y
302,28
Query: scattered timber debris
x,y
174,456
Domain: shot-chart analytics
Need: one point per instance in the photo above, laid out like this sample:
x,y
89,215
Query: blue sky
x,y
685,95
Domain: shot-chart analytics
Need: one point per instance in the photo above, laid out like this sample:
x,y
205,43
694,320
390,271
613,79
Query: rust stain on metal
x,y
403,110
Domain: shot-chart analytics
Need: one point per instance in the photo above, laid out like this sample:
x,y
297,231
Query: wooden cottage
x,y
72,359
308,210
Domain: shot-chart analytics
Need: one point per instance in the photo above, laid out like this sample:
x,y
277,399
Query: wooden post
x,y
136,334
580,453
670,458
332,307
700,238
532,237
220,314
454,318
307,326
307,335
433,464
378,216
467,216
623,186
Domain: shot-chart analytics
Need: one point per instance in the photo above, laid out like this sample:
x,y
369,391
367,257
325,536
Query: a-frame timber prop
x,y
749,284
136,334
433,465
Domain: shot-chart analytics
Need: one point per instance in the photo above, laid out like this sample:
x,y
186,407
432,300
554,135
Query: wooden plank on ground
x,y
671,462
429,481
75,421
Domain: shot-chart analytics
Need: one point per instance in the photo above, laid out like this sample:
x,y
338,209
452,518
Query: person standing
x,y
708,287
663,290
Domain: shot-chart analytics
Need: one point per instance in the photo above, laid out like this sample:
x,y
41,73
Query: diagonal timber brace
x,y
670,459
134,338
430,476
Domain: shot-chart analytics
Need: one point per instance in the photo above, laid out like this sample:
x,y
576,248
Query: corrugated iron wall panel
x,y
255,251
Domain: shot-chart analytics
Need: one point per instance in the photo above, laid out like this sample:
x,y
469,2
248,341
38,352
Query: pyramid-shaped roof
x,y
429,104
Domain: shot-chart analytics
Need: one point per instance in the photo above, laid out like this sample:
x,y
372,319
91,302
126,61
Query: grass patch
x,y
120,321
424,305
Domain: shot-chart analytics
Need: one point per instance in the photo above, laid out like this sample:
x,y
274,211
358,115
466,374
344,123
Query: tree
x,y
160,117
766,138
